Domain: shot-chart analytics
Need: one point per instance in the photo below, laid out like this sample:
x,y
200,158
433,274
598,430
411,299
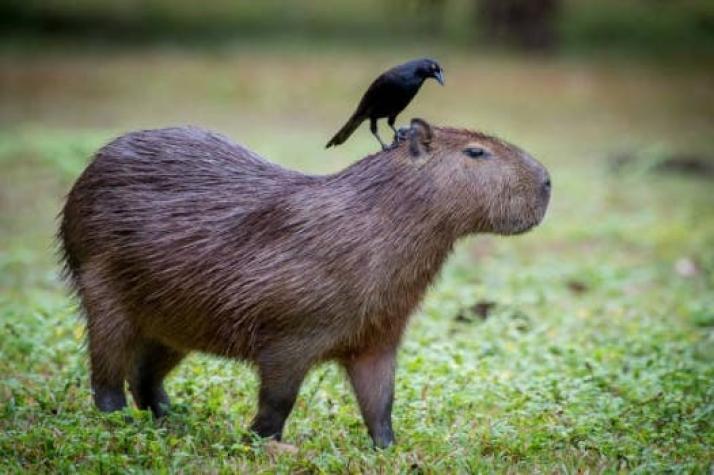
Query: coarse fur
x,y
179,240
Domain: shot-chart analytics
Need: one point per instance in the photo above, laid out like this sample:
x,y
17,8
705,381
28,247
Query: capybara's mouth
x,y
520,224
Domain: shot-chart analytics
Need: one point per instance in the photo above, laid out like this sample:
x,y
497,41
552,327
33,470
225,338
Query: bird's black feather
x,y
388,96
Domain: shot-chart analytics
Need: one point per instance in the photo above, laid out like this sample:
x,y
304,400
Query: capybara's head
x,y
484,184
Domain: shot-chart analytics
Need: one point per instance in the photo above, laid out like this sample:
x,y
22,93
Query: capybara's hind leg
x,y
108,356
153,361
279,386
111,341
108,398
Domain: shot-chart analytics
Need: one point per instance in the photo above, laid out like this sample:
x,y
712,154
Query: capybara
x,y
178,240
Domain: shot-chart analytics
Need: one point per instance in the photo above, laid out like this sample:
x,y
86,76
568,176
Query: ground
x,y
584,345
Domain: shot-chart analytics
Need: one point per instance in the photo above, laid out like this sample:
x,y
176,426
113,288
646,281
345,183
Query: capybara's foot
x,y
268,427
108,399
153,398
153,361
384,439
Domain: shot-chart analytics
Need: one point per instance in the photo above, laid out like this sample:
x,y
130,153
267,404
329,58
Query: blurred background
x,y
597,90
615,97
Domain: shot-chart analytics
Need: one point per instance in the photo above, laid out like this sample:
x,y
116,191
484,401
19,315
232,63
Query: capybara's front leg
x,y
279,386
372,377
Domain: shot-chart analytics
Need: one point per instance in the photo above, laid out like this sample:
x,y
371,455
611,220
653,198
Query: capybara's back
x,y
178,240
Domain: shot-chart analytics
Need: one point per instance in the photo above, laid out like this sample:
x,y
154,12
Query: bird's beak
x,y
439,76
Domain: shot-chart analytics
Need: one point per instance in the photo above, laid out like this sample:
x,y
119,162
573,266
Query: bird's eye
x,y
475,152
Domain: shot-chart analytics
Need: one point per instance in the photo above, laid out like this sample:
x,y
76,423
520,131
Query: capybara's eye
x,y
475,152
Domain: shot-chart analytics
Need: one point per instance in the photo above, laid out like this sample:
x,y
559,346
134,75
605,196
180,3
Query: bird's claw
x,y
391,146
401,135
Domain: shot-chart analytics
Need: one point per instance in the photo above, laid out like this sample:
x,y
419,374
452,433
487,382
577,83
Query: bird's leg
x,y
391,121
395,140
373,128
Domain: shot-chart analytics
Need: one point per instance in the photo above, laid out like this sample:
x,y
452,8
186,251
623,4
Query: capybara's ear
x,y
419,137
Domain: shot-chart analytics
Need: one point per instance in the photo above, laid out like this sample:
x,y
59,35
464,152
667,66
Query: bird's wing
x,y
378,100
382,90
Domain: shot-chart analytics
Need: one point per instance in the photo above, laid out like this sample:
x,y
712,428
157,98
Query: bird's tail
x,y
344,132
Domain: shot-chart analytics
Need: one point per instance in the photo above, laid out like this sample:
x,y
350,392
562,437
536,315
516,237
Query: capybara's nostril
x,y
546,185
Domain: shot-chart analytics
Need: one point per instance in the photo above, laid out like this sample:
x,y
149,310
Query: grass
x,y
597,355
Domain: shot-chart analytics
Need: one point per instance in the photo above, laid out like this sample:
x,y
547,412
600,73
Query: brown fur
x,y
179,240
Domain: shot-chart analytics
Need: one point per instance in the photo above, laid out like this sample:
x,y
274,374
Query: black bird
x,y
388,95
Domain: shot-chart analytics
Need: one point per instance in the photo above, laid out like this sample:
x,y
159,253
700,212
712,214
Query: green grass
x,y
598,355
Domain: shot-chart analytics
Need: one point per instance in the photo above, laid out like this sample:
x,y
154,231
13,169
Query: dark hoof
x,y
109,399
154,399
383,440
266,430
160,408
159,403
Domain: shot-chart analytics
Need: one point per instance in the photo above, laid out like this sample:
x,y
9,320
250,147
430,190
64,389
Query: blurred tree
x,y
429,14
434,11
529,24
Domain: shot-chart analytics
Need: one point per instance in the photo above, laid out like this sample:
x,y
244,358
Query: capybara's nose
x,y
545,186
